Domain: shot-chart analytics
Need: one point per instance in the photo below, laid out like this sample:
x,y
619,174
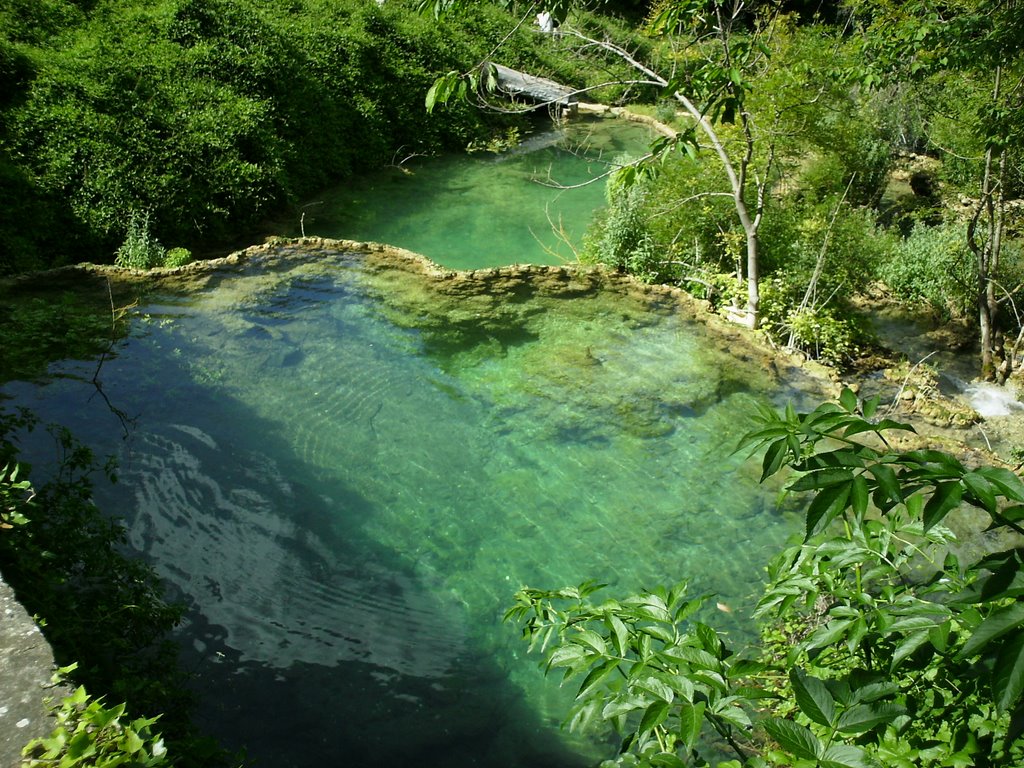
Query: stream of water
x,y
347,485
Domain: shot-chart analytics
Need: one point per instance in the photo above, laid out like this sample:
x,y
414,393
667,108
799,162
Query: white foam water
x,y
991,399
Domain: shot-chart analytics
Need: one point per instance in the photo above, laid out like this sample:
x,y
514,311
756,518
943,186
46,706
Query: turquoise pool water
x,y
486,209
346,476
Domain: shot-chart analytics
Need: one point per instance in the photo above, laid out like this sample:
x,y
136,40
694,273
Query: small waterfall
x,y
991,399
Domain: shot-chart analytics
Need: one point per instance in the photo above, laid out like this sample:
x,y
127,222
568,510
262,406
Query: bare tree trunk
x,y
737,182
995,364
736,167
753,280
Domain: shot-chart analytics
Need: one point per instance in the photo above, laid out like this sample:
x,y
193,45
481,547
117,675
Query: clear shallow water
x,y
429,206
347,477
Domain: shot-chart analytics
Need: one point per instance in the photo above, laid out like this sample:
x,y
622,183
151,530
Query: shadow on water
x,y
307,642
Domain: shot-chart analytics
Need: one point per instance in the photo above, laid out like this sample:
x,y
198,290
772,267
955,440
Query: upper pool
x,y
521,206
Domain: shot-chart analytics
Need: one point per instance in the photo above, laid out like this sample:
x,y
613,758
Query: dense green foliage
x,y
207,115
883,647
127,128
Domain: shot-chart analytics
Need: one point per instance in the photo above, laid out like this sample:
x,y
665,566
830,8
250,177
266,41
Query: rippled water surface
x,y
347,487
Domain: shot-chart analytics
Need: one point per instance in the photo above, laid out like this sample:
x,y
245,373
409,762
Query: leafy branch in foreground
x,y
89,733
879,646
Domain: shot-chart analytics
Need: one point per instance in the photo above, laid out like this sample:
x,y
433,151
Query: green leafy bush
x,y
933,266
623,239
177,257
824,335
140,249
88,733
15,497
209,114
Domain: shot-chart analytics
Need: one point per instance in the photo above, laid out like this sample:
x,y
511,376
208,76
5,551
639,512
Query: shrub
x,y
623,239
934,266
883,646
824,335
88,733
177,257
140,249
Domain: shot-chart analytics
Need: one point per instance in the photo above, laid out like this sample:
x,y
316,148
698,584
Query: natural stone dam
x,y
345,460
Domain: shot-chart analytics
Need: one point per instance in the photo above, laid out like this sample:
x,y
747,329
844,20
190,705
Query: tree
x,y
717,51
888,650
984,40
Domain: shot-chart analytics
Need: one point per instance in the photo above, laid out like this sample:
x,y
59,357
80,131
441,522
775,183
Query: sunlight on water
x,y
348,490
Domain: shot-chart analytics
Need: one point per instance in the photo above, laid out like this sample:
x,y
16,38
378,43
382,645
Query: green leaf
x,y
813,698
649,606
870,406
597,676
566,656
863,717
696,657
848,400
733,713
827,505
82,745
619,633
875,691
888,486
795,739
948,464
1013,514
691,719
431,99
656,687
131,741
886,424
709,639
773,459
909,644
938,636
827,635
654,716
1007,482
859,496
822,478
583,714
998,624
1008,673
680,683
658,632
846,756
623,705
592,640
981,490
945,499
666,760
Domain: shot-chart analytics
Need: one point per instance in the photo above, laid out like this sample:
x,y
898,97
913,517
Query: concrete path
x,y
26,666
